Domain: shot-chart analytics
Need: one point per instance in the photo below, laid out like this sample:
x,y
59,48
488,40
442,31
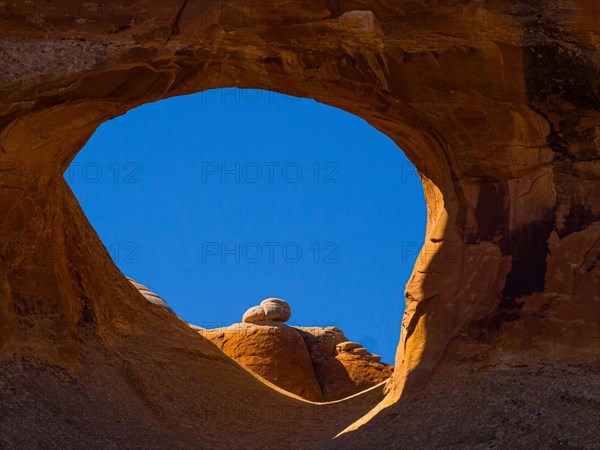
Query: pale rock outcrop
x,y
347,346
271,309
254,314
276,310
151,296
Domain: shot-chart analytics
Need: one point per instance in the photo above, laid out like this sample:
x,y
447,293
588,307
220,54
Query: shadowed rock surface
x,y
497,104
341,373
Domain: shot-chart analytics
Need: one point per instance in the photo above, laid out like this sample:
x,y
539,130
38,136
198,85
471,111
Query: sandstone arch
x,y
496,103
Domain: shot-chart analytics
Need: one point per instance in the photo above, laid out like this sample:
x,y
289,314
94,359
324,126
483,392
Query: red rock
x,y
274,351
303,361
495,103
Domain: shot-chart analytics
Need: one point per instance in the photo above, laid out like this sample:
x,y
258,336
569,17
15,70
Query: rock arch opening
x,y
495,103
220,199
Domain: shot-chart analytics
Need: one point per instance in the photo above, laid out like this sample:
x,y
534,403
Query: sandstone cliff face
x,y
496,102
303,361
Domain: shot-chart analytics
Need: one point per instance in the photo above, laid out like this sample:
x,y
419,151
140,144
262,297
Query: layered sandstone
x,y
496,103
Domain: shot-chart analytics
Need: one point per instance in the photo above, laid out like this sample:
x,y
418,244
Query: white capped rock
x,y
254,314
276,310
151,296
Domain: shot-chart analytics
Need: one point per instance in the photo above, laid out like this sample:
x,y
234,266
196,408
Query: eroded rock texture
x,y
341,371
496,102
301,360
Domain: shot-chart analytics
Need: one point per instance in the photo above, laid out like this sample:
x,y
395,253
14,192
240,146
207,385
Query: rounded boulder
x,y
254,314
276,310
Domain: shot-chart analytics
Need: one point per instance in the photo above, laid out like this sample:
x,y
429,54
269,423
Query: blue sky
x,y
221,199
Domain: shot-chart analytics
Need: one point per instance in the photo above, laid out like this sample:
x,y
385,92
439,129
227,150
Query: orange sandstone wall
x,y
496,102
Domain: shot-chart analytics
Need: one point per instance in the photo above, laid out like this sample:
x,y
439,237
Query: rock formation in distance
x,y
316,363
